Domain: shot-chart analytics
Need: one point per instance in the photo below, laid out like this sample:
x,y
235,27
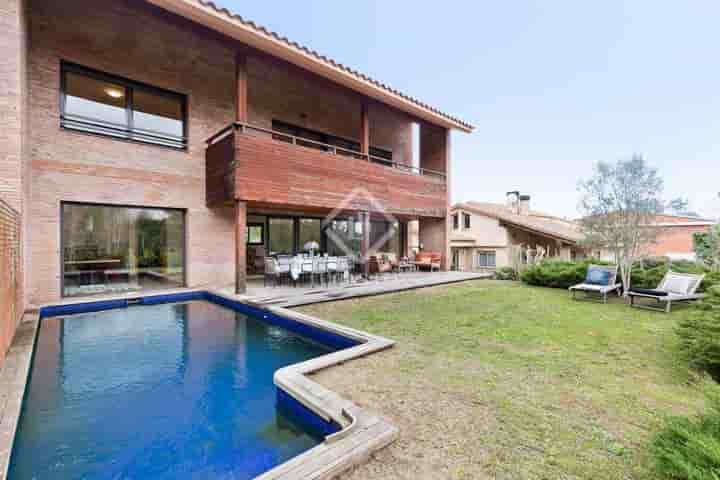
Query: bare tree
x,y
619,204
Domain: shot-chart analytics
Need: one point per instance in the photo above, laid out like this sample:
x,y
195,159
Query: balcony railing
x,y
326,147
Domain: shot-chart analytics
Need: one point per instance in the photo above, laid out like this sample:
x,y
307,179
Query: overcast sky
x,y
551,86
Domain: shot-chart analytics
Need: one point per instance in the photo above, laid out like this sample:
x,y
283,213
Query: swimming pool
x,y
165,390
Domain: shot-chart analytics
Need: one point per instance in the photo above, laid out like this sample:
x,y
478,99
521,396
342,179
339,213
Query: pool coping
x,y
361,433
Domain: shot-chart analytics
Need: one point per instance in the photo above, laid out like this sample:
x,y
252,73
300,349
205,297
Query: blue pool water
x,y
176,390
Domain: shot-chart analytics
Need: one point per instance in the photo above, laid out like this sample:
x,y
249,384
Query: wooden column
x,y
365,242
241,81
364,129
240,246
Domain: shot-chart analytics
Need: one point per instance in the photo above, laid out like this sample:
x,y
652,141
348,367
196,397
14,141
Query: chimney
x,y
513,200
524,204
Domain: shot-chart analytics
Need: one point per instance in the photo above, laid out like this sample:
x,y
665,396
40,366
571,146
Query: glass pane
x,y
280,235
310,234
95,100
255,234
156,113
385,237
344,237
118,249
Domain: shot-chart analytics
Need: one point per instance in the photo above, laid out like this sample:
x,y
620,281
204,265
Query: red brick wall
x,y
13,165
134,40
283,92
675,240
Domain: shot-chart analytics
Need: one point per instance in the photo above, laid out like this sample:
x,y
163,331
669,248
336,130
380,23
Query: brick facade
x,y
132,39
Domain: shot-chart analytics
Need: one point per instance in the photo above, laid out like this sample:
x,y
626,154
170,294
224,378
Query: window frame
x,y
262,233
61,250
466,221
485,254
456,221
127,132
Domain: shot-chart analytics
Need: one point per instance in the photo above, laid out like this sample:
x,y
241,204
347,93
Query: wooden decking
x,y
289,296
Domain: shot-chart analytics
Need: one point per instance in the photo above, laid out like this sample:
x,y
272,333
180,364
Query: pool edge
x,y
361,432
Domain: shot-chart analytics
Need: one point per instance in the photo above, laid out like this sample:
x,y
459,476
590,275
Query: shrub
x,y
699,333
556,273
648,274
506,273
689,448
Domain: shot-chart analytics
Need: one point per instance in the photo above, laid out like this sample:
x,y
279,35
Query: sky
x,y
551,86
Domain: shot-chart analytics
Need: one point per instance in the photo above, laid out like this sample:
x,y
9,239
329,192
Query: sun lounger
x,y
600,281
674,287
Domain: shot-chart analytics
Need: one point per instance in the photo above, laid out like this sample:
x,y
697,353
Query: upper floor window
x,y
95,102
319,140
456,222
466,220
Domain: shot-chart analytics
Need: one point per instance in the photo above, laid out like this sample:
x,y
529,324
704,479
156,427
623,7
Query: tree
x,y
619,204
707,247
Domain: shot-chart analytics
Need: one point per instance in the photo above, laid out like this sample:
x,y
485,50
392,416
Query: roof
x,y
206,13
537,222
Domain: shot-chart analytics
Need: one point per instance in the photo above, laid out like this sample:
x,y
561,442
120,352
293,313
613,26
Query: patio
x,y
290,296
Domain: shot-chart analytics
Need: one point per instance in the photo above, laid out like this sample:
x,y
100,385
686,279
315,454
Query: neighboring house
x,y
160,143
487,236
674,237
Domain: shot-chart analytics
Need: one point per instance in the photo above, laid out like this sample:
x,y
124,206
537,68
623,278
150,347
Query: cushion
x,y
598,276
648,291
677,284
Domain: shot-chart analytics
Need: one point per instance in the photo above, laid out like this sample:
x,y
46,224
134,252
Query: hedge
x,y
646,274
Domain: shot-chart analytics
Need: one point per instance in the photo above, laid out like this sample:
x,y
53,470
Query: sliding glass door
x,y
109,249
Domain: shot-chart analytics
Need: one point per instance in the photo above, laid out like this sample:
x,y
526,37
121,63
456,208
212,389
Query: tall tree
x,y
619,204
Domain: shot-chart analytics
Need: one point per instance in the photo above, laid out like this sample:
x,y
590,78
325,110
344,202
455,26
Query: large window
x,y
98,103
107,249
281,236
309,232
385,236
484,260
344,237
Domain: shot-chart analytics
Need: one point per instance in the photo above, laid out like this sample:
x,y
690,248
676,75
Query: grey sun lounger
x,y
674,288
594,291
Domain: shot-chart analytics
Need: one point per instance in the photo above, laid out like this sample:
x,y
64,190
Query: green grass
x,y
537,385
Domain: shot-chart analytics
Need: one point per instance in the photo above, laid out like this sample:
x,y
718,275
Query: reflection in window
x,y
344,237
385,237
118,249
255,234
280,235
99,103
310,231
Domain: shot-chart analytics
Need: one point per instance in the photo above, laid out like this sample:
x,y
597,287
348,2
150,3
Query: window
x,y
98,103
348,146
255,234
281,235
456,222
310,230
484,260
108,249
385,236
466,220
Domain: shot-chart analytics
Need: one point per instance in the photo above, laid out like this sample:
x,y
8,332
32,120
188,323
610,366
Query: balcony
x,y
272,169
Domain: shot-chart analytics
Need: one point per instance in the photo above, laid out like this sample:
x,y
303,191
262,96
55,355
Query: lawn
x,y
500,380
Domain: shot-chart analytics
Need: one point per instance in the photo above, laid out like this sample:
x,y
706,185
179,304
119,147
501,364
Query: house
x,y
674,238
166,143
488,236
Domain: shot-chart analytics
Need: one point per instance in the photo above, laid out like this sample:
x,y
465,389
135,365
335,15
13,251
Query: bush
x,y
699,333
556,273
506,273
649,273
689,448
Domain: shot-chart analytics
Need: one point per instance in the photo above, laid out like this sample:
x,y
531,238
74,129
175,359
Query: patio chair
x,y
674,287
272,270
599,282
332,268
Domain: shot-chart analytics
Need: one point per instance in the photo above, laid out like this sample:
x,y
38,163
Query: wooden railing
x,y
332,149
